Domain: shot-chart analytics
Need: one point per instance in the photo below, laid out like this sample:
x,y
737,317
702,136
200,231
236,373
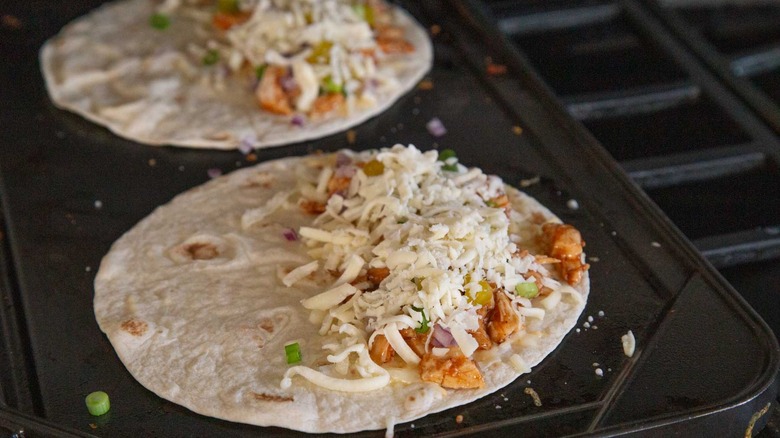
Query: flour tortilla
x,y
114,69
209,333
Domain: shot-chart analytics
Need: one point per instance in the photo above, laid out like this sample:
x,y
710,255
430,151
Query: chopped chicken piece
x,y
565,244
381,351
502,320
453,370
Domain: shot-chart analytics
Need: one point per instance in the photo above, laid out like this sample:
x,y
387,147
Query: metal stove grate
x,y
696,136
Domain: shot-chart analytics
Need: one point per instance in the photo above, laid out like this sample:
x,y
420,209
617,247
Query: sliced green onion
x,y
423,328
320,54
365,13
527,290
260,71
211,57
328,86
445,155
159,21
293,353
98,403
228,6
360,11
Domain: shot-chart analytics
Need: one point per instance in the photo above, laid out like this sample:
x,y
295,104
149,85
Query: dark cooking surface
x,y
707,158
70,188
698,151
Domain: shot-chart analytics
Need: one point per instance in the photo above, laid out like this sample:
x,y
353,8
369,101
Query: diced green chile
x,y
527,290
211,57
159,21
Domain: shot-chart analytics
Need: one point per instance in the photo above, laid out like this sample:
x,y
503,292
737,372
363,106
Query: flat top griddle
x,y
704,362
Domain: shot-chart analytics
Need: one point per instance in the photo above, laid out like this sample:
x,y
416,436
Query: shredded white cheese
x,y
321,43
300,272
629,343
330,298
519,364
439,236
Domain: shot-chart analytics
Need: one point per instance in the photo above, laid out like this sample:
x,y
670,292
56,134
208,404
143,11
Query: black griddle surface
x,y
704,361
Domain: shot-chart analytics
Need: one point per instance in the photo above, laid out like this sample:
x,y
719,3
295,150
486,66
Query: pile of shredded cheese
x,y
319,40
436,233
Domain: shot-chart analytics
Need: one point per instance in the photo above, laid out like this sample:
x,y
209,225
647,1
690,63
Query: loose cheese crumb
x,y
629,343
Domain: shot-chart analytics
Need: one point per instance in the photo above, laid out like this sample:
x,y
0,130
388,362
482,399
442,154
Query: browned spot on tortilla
x,y
271,397
219,136
261,179
135,327
312,207
202,251
267,325
538,218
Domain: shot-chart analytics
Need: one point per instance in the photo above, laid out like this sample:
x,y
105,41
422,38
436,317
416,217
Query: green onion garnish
x,y
328,86
293,353
98,403
260,71
211,57
365,13
228,6
527,290
423,328
159,21
446,154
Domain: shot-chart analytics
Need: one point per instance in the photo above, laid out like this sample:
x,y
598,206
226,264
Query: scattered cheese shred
x,y
300,273
330,298
519,364
336,384
629,343
399,345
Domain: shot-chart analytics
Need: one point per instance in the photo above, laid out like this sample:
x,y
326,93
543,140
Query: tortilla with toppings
x,y
235,73
341,292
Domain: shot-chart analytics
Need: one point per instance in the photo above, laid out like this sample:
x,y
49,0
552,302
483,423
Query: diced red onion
x,y
436,127
345,171
214,172
298,120
370,85
442,337
342,159
290,235
247,145
288,81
